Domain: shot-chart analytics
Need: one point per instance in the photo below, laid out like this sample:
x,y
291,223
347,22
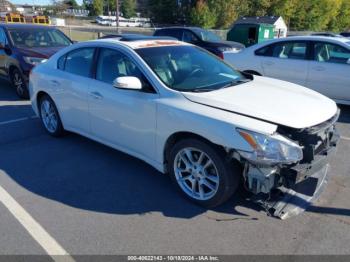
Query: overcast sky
x,y
36,2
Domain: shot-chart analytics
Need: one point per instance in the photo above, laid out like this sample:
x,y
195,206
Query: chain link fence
x,y
84,33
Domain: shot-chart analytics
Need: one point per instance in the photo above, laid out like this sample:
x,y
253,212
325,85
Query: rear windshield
x,y
38,38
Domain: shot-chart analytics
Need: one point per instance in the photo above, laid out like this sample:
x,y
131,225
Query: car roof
x,y
316,38
180,27
25,26
343,40
143,43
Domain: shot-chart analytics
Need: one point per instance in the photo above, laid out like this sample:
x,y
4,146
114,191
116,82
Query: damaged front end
x,y
286,189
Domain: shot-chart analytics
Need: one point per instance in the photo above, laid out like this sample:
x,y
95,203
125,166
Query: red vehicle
x,y
22,46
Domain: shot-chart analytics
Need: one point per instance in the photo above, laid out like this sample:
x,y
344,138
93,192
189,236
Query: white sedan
x,y
317,62
189,114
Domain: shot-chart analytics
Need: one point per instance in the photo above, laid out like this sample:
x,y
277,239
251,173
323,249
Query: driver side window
x,y
112,64
331,53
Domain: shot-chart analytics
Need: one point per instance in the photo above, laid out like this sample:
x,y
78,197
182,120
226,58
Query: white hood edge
x,y
271,100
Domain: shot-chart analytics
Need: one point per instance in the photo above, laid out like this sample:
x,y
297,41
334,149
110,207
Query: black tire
x,y
56,130
229,172
19,84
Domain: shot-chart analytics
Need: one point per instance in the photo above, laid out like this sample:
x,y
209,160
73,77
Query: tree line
x,y
313,15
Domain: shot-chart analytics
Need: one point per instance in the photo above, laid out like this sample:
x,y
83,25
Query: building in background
x,y
76,12
6,6
28,9
280,27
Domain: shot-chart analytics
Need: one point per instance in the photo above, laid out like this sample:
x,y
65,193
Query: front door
x,y
123,118
329,71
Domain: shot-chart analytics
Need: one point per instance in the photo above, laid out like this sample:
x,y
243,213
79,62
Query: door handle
x,y
55,83
268,63
319,68
96,95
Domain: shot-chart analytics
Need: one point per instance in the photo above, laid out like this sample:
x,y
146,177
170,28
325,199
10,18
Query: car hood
x,y
271,100
43,52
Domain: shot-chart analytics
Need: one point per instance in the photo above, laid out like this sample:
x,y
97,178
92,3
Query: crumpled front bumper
x,y
295,201
288,202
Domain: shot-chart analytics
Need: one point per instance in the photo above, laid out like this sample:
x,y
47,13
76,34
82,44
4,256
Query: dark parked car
x,y
345,34
201,38
22,47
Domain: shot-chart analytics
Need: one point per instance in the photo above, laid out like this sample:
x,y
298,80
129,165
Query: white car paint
x,y
330,79
271,101
140,123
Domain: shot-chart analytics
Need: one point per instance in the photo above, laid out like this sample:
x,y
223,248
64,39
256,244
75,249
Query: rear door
x,y
287,60
70,86
329,71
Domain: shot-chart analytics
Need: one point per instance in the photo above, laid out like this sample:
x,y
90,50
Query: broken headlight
x,y
270,149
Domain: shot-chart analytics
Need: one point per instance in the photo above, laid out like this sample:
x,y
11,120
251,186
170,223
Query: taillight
x,y
221,55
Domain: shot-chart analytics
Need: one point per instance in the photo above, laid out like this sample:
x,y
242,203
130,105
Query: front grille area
x,y
315,140
317,143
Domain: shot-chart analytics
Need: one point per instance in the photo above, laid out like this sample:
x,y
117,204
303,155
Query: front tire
x,y
49,116
19,83
202,172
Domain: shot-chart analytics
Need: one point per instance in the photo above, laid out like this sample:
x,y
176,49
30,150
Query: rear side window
x,y
78,62
264,51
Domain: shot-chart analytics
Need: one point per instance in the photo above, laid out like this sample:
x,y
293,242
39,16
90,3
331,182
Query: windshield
x,y
206,35
38,38
190,69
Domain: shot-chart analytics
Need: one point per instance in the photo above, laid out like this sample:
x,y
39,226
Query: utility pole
x,y
117,14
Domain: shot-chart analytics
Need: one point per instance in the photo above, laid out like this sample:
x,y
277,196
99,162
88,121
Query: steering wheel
x,y
195,71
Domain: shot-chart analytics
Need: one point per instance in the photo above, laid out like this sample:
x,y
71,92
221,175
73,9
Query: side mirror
x,y
127,82
348,62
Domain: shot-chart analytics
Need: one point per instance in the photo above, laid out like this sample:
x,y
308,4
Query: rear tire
x,y
19,83
202,172
49,116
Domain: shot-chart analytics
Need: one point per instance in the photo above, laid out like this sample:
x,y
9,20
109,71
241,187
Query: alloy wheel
x,y
196,173
18,83
49,116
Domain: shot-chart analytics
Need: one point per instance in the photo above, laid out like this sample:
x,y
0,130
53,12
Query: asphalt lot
x,y
95,200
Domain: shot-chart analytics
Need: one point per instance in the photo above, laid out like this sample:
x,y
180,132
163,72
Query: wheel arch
x,y
39,95
181,135
12,67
